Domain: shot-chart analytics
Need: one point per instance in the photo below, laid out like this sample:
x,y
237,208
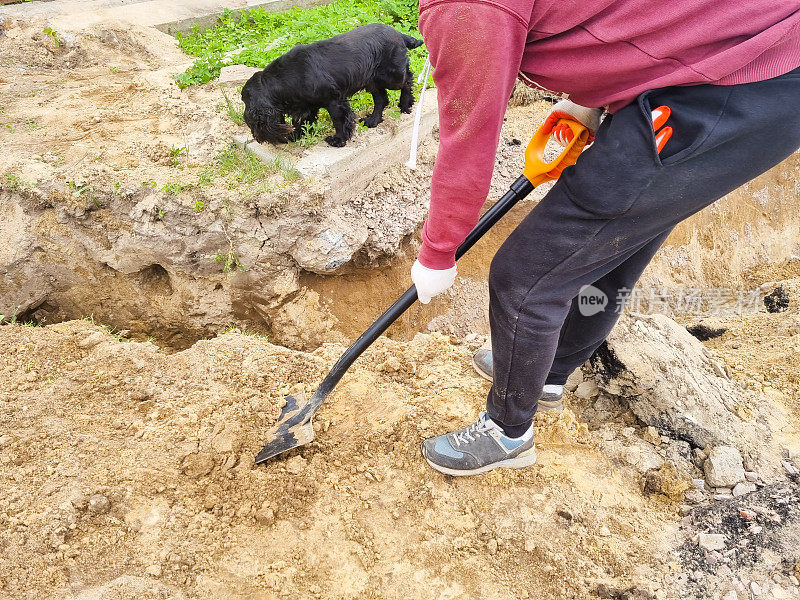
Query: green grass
x,y
242,168
235,109
263,36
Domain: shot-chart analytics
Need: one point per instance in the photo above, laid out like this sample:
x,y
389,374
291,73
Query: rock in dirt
x,y
153,570
98,504
777,301
586,390
742,488
236,74
723,467
669,380
93,339
705,333
198,464
666,481
711,541
128,586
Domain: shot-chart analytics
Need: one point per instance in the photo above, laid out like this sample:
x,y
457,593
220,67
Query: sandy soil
x,y
132,470
121,460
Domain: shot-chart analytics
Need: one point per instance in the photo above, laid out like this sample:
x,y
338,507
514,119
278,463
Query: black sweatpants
x,y
607,216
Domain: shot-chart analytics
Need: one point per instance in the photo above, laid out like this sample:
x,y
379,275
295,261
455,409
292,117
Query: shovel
x,y
294,427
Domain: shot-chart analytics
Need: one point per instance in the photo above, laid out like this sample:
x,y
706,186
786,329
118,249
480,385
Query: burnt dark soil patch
x,y
777,301
705,333
755,525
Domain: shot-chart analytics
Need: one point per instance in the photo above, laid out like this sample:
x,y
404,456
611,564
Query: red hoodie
x,y
602,53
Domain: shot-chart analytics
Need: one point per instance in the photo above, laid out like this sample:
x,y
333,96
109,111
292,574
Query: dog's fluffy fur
x,y
324,75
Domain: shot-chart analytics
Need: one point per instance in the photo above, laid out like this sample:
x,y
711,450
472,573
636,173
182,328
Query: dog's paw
x,y
406,109
335,141
370,122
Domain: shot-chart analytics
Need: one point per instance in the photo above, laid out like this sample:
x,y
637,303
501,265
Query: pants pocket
x,y
695,112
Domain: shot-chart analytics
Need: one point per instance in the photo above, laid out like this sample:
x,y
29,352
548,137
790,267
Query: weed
x,y
241,167
9,127
198,205
112,331
16,184
114,69
174,189
235,110
206,177
287,169
150,183
79,189
32,124
314,132
15,321
229,261
117,185
50,32
176,152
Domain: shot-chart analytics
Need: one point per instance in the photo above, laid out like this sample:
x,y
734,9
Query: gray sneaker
x,y
478,448
484,365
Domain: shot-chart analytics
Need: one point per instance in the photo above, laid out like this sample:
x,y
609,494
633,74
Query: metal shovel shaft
x,y
294,424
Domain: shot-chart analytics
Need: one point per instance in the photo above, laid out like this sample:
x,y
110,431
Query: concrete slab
x,y
169,17
347,171
236,74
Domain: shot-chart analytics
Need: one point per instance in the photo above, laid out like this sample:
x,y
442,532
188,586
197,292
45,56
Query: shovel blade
x,y
291,431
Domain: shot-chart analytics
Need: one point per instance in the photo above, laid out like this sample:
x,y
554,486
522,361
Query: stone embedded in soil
x,y
723,467
742,488
153,570
695,496
236,74
668,379
666,481
651,435
265,516
198,464
93,339
777,301
296,465
98,504
586,390
711,541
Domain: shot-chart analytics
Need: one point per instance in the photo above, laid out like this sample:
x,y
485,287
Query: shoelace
x,y
474,431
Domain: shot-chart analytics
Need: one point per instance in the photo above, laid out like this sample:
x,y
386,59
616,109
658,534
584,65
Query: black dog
x,y
324,75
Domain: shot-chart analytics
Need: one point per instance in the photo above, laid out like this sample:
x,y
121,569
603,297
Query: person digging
x,y
729,73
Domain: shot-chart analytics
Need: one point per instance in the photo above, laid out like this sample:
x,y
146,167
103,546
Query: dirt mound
x,y
122,462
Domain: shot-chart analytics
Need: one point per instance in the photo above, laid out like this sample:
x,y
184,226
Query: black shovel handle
x,y
519,189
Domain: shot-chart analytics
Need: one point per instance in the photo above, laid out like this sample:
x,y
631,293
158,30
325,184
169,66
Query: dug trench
x,y
127,466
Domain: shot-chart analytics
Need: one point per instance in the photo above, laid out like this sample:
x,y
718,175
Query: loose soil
x,y
120,460
129,471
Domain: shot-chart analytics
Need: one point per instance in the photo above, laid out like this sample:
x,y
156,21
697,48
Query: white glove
x,y
588,117
431,282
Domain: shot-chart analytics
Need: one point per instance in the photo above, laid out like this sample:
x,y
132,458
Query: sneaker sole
x,y
481,372
526,459
544,405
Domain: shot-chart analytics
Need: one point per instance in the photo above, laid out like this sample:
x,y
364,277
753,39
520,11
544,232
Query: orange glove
x,y
565,109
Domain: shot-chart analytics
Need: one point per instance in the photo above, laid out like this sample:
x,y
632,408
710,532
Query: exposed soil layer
x,y
115,209
128,471
119,460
